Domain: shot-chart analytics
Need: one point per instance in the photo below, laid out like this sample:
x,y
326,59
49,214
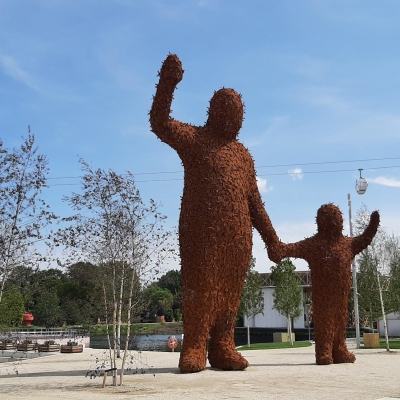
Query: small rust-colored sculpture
x,y
329,255
220,204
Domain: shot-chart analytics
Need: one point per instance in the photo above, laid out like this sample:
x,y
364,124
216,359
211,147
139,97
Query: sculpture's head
x,y
329,220
225,115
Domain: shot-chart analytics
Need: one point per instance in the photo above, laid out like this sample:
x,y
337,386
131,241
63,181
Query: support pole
x,y
355,291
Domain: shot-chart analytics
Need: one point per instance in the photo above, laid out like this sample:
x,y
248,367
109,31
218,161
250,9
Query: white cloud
x,y
381,180
12,68
204,3
290,232
309,67
364,125
323,96
296,173
262,185
275,127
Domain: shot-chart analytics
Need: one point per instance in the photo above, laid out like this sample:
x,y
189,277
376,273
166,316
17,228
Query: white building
x,y
272,318
393,325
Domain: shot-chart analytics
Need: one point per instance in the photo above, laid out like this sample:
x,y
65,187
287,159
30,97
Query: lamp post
x,y
361,188
355,292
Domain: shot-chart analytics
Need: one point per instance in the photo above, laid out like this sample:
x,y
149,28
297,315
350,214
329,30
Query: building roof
x,y
305,279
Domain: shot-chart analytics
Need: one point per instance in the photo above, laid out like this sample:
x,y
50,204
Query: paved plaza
x,y
273,374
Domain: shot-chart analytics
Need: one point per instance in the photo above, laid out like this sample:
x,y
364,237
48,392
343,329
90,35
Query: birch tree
x,y
394,282
379,257
23,213
115,229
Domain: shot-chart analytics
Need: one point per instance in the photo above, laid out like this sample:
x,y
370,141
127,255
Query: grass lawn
x,y
275,345
136,329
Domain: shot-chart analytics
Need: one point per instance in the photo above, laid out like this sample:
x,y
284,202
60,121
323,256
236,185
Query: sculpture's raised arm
x,y
172,132
359,243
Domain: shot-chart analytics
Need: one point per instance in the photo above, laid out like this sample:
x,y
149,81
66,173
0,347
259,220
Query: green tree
x,y
23,278
173,282
11,308
288,293
252,300
47,310
162,299
81,296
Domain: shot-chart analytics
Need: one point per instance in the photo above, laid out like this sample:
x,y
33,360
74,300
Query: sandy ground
x,y
273,374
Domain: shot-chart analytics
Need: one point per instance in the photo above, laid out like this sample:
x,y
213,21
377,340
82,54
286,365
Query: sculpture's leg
x,y
339,352
222,353
194,348
197,318
324,332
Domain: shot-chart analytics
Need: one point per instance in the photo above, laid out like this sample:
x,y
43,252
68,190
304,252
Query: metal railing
x,y
44,333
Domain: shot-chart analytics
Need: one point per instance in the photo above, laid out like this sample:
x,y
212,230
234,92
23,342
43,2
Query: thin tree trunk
x,y
119,322
383,312
107,326
2,287
115,326
248,331
128,329
290,330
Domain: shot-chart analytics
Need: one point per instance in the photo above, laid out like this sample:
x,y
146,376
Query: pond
x,y
138,342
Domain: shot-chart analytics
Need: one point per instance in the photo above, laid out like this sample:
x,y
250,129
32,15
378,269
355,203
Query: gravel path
x,y
273,374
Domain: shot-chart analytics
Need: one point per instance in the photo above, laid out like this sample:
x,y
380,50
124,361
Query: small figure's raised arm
x,y
359,243
167,129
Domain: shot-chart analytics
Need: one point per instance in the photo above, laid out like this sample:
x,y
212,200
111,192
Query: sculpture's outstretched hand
x,y
275,251
171,70
375,218
359,243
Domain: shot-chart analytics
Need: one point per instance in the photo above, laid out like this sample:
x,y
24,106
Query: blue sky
x,y
319,79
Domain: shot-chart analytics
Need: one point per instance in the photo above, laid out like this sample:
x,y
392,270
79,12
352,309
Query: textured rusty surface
x,y
329,255
220,204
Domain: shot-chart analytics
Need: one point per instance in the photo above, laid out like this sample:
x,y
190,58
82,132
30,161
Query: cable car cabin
x,y
361,185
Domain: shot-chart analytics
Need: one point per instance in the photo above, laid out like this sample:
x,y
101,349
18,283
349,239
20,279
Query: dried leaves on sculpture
x,y
220,204
329,255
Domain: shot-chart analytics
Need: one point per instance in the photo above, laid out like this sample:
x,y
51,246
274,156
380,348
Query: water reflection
x,y
139,342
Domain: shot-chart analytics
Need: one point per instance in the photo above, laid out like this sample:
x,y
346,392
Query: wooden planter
x,y
371,340
7,346
71,349
27,346
48,347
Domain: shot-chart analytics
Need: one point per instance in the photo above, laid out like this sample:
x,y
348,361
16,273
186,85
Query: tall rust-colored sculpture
x,y
220,204
329,255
